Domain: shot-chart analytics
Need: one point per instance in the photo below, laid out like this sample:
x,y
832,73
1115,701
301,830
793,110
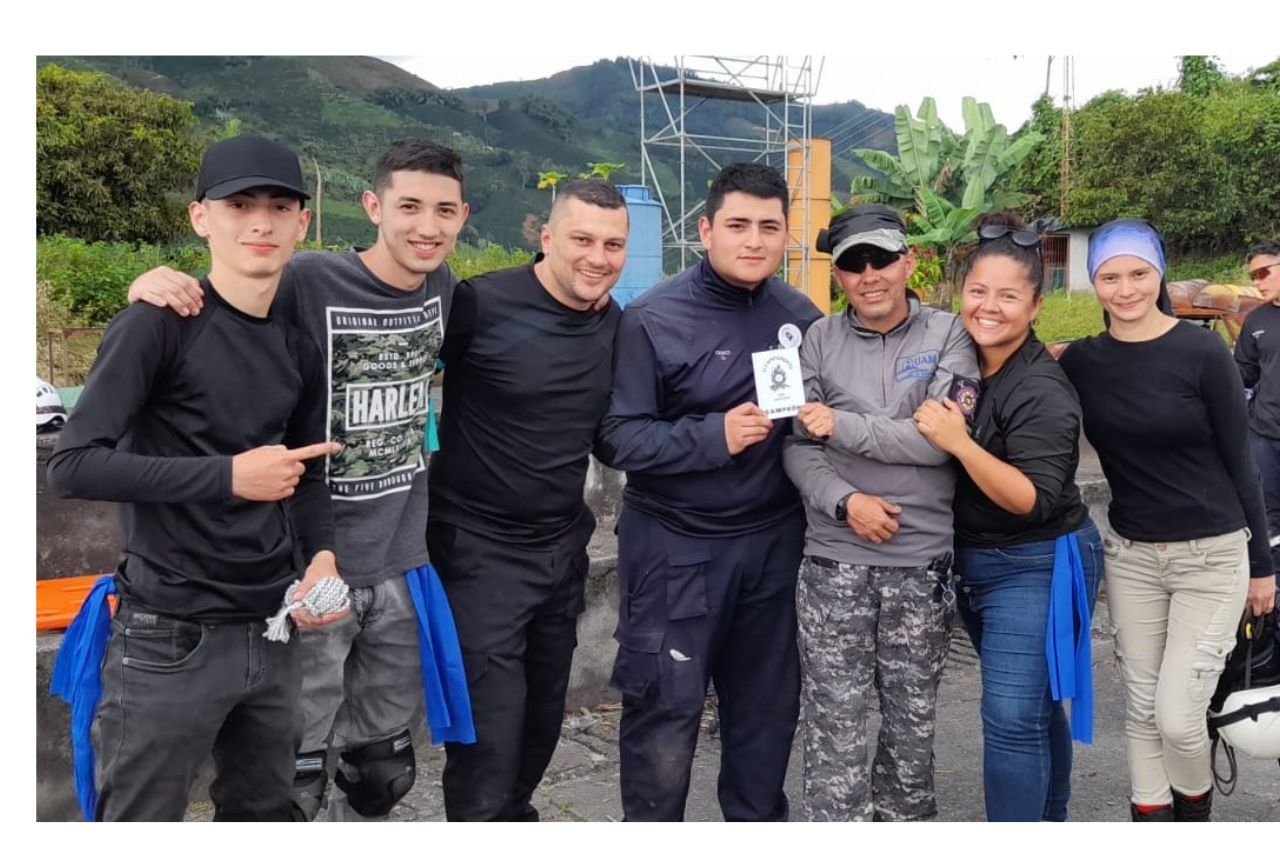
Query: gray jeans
x,y
362,676
172,692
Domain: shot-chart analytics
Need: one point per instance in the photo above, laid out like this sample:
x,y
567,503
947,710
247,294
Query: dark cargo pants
x,y
694,610
516,610
172,692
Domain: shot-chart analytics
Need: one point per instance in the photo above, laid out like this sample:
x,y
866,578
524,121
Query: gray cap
x,y
864,224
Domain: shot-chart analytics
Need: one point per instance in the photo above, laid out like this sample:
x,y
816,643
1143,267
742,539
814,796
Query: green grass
x,y
1228,269
1066,316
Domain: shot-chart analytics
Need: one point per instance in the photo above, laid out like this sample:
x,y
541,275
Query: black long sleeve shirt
x,y
168,403
1258,359
526,381
1167,417
1029,417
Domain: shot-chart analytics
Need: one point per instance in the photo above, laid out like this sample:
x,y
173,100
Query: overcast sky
x,y
1009,83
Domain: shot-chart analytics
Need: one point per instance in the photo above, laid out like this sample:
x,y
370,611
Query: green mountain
x,y
339,112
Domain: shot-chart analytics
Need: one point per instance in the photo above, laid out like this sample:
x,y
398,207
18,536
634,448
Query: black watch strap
x,y
842,508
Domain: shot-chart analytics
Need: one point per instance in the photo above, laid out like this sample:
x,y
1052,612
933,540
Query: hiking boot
x,y
1185,809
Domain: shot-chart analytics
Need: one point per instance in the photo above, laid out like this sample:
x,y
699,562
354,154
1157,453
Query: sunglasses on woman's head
x,y
1023,238
878,258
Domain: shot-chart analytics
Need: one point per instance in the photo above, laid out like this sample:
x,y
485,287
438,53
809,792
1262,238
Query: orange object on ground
x,y
58,600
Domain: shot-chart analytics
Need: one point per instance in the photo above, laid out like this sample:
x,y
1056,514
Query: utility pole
x,y
319,202
1068,97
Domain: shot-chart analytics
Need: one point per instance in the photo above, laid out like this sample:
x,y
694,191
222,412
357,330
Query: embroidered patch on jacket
x,y
916,367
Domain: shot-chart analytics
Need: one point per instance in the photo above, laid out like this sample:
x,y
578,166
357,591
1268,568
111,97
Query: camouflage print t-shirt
x,y
380,346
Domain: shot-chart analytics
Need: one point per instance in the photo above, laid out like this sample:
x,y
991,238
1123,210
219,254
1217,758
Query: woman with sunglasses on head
x,y
1028,557
1164,407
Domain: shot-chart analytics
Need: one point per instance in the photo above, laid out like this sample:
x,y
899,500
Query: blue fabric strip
x,y
444,678
1068,642
431,436
77,678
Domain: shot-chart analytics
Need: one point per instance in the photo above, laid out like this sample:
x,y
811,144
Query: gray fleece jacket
x,y
874,382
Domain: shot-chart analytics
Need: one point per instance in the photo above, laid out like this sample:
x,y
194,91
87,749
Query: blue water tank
x,y
644,245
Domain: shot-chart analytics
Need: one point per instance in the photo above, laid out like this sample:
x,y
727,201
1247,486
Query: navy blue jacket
x,y
682,358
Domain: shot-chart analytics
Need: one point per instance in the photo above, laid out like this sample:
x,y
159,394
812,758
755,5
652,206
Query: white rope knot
x,y
327,596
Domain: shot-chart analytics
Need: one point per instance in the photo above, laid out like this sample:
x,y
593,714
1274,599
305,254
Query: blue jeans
x,y
1003,600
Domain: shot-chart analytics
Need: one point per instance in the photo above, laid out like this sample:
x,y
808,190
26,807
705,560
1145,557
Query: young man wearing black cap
x,y
711,530
873,598
378,315
209,431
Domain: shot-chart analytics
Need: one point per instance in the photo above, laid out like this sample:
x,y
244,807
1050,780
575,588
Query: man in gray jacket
x,y
873,598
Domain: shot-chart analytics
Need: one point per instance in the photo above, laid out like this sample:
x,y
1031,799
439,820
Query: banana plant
x,y
943,181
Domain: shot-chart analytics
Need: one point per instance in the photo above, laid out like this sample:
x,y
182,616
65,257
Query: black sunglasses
x,y
878,258
1022,238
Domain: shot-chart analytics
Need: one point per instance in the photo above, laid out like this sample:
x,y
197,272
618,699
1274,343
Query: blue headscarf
x,y
1133,237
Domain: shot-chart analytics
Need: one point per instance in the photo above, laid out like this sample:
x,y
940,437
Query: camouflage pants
x,y
861,626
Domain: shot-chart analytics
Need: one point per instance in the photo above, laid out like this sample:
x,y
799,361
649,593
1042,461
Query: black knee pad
x,y
310,779
377,775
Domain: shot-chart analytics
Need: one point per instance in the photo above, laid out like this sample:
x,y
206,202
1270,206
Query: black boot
x,y
1164,813
1185,809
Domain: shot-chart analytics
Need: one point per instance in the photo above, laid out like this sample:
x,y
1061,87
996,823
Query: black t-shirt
x,y
1167,417
167,404
1029,417
526,381
1258,358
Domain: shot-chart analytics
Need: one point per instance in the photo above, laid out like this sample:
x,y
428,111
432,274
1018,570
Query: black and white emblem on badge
x,y
789,336
778,378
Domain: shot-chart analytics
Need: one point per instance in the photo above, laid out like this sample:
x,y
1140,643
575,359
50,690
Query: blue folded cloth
x,y
444,679
77,678
1068,642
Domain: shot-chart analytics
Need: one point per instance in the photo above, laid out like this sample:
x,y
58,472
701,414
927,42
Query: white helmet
x,y
1250,721
50,412
1244,712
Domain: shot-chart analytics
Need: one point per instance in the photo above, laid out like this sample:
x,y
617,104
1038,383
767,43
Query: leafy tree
x,y
1198,75
602,170
110,160
549,179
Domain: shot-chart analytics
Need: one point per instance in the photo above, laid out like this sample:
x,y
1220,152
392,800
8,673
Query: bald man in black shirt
x,y
528,369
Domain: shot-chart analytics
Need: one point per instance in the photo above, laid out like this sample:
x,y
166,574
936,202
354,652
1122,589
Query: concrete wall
x,y
1078,260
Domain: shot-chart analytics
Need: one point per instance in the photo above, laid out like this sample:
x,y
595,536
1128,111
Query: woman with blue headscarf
x,y
1164,407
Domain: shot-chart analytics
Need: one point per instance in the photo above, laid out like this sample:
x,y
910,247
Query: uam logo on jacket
x,y
916,367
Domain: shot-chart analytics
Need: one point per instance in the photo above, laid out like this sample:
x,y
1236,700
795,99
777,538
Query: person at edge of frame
x,y
1257,356
210,431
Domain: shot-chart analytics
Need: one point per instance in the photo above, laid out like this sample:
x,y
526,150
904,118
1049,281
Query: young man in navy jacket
x,y
711,530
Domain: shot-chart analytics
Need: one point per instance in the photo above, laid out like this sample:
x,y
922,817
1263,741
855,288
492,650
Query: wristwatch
x,y
842,508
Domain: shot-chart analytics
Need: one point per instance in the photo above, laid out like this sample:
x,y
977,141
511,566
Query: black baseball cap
x,y
248,162
874,225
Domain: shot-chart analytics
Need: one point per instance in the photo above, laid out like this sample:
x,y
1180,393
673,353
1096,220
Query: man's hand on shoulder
x,y
271,473
166,287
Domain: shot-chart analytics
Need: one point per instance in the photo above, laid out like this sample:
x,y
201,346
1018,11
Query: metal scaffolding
x,y
777,132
